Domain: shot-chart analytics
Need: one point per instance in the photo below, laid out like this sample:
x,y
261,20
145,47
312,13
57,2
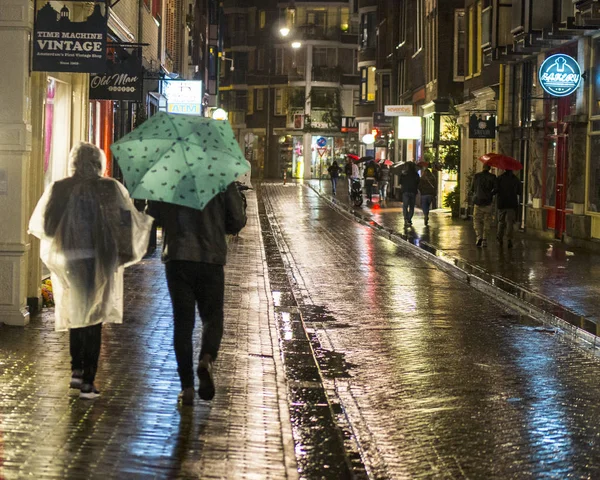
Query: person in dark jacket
x,y
409,181
508,190
370,174
483,189
383,181
194,253
334,173
428,190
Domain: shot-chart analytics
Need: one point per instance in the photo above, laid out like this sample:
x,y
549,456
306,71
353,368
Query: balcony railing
x,y
326,74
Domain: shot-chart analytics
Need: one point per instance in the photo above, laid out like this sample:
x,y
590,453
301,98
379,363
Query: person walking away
x,y
428,190
348,173
508,190
409,181
483,189
89,230
383,181
370,175
334,173
194,253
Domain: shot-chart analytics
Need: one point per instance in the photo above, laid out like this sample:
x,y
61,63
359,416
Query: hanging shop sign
x,y
123,79
410,128
63,45
183,96
480,127
398,110
349,125
381,120
560,75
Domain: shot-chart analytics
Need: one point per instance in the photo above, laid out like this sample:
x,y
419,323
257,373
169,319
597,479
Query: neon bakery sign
x,y
560,75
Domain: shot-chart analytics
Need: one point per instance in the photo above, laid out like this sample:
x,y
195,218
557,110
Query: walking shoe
x,y
88,391
484,243
206,390
76,379
510,244
479,242
186,396
426,221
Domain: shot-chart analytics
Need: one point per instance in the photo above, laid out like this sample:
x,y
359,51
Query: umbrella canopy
x,y
180,159
364,159
386,162
351,156
503,162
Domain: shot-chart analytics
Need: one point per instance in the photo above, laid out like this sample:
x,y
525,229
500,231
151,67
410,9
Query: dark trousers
x,y
369,187
194,284
334,184
85,350
408,205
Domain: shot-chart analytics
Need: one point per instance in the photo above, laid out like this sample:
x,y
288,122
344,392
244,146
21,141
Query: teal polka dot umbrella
x,y
180,159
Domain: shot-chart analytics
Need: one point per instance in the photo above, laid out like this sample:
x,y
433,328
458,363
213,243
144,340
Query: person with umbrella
x,y
483,189
384,180
508,190
89,230
187,165
428,189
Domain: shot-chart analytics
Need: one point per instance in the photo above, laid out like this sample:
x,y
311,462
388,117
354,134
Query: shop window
x,y
367,84
593,204
459,45
368,37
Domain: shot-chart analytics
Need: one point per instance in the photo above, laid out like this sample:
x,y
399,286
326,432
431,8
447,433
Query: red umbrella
x,y
353,157
386,162
503,162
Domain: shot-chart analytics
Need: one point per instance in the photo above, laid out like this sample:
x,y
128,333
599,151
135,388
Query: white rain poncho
x,y
89,231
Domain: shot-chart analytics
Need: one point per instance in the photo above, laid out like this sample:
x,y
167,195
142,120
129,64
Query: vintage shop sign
x,y
123,79
560,75
480,127
63,45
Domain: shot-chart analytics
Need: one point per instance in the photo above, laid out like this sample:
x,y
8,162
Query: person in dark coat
x,y
334,173
483,189
428,190
508,190
409,181
370,174
194,253
383,181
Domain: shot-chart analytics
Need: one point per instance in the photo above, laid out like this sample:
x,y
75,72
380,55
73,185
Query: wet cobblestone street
x,y
439,381
134,430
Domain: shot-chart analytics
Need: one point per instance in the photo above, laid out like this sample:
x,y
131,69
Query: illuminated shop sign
x,y
61,44
183,96
123,79
560,75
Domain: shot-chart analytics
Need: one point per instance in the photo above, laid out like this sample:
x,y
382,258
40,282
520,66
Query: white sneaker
x,y
88,391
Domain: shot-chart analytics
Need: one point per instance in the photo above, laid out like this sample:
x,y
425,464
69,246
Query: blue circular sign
x,y
560,75
321,141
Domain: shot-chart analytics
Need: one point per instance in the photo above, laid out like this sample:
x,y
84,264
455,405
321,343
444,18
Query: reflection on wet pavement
x,y
439,380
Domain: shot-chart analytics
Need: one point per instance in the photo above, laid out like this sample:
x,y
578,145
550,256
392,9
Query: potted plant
x,y
452,201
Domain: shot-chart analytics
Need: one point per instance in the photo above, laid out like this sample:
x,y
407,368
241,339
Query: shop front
x,y
324,150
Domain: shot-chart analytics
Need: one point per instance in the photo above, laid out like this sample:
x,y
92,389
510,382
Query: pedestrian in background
x,y
334,173
508,190
194,253
371,173
483,189
383,182
409,180
348,173
90,229
428,190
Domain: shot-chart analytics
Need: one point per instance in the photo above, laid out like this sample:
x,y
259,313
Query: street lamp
x,y
285,31
296,44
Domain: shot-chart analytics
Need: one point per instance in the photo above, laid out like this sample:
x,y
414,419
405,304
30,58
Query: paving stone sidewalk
x,y
563,274
135,430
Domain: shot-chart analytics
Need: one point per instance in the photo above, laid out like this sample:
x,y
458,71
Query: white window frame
x,y
457,14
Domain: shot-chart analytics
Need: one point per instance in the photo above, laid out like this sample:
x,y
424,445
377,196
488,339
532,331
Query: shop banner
x,y
381,120
63,45
123,79
480,127
349,125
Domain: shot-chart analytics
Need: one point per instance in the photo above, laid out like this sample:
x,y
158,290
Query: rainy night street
x,y
344,356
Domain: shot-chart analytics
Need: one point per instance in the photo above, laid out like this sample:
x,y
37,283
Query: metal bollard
x,y
284,177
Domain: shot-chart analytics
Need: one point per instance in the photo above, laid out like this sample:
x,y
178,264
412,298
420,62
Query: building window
x,y
420,16
279,63
262,19
367,84
250,101
157,9
260,98
324,57
459,45
260,59
368,37
402,19
401,77
431,48
355,101
386,93
478,55
471,41
280,101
